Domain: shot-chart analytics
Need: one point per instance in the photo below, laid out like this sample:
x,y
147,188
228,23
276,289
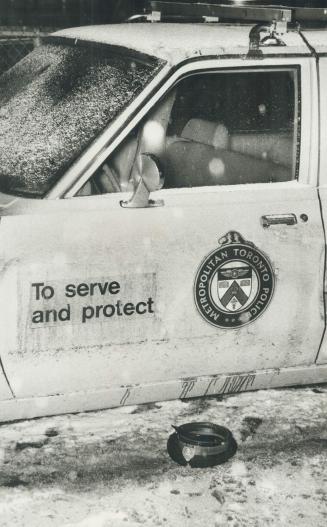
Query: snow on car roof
x,y
175,42
317,38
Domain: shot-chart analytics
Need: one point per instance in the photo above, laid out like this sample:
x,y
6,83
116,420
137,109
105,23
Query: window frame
x,y
306,172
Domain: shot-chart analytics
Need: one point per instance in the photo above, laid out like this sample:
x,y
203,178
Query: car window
x,y
233,127
114,175
224,128
55,102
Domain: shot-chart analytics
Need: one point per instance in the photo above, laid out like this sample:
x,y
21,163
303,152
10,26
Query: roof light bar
x,y
309,14
210,12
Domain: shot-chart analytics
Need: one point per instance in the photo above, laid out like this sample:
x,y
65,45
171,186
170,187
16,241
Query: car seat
x,y
202,156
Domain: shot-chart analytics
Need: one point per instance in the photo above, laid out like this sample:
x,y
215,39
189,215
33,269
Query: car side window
x,y
222,128
114,175
233,127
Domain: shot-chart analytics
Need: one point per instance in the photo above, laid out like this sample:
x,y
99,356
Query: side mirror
x,y
149,179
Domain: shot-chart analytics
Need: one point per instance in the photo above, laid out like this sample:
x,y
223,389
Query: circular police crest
x,y
234,283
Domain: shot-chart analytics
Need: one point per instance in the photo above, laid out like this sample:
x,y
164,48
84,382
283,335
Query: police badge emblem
x,y
234,283
188,453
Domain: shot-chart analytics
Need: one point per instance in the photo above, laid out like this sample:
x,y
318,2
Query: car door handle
x,y
278,219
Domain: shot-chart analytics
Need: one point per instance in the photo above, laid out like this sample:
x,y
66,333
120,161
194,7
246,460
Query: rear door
x,y
322,49
225,277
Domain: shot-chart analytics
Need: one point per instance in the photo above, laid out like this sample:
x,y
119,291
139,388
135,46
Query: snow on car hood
x,y
54,103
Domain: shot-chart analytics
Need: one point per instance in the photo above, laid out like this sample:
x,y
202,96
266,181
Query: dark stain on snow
x,y
51,432
11,481
22,445
145,408
250,426
218,495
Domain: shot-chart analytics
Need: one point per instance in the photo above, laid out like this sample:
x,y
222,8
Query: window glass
x,y
55,101
224,128
233,127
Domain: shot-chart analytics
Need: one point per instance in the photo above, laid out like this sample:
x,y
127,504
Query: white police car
x,y
163,208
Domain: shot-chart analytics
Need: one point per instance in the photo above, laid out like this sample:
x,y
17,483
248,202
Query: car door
x,y
224,277
322,64
5,392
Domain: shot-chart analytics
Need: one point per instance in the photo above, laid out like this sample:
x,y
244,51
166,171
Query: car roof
x,y
317,38
176,42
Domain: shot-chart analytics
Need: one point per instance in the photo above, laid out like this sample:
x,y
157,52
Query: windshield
x,y
54,102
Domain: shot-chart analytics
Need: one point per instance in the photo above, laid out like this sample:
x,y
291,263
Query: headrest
x,y
206,132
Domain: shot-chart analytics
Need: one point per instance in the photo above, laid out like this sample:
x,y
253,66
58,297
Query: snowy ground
x,y
110,468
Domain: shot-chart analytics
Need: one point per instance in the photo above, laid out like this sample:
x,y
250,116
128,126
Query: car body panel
x,y
322,357
67,351
5,392
316,38
128,394
154,253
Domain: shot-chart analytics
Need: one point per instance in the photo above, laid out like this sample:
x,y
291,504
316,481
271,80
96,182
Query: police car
x,y
163,207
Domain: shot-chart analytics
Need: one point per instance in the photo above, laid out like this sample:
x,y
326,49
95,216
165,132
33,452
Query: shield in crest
x,y
234,285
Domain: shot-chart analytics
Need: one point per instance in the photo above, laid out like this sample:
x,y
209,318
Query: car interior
x,y
204,135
